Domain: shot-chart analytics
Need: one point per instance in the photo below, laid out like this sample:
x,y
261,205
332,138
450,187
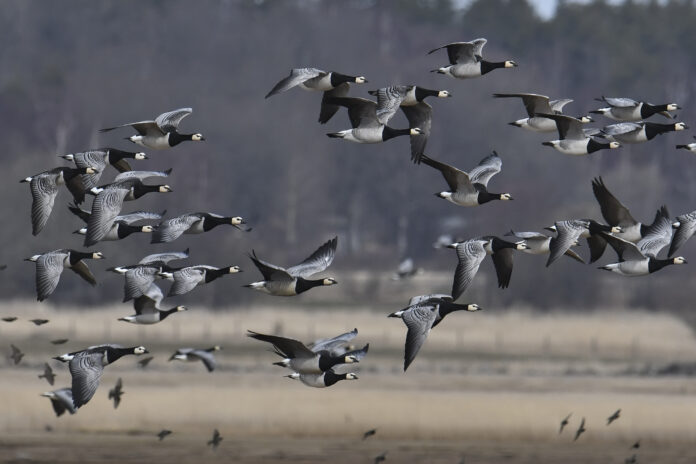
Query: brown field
x,y
490,387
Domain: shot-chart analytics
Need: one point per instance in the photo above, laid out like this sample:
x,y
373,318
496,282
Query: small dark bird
x,y
39,321
217,438
9,319
580,430
59,341
145,361
369,433
3,267
564,422
462,460
48,374
614,416
381,458
116,393
16,354
163,433
632,460
636,445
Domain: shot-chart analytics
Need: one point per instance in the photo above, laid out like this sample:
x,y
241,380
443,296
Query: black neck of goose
x,y
655,264
303,285
212,221
75,256
176,138
647,110
212,274
164,314
596,227
116,155
69,173
338,79
124,230
485,196
488,66
141,189
330,378
653,129
390,133
113,354
498,244
593,146
422,93
326,361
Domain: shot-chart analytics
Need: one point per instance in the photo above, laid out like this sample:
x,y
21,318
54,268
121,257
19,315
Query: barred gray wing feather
x,y
80,268
165,257
287,347
557,105
138,281
171,229
297,76
96,159
205,356
105,208
388,101
419,116
43,192
49,267
487,168
437,297
141,127
457,180
86,370
470,254
186,280
63,402
316,262
169,122
622,128
329,343
419,321
358,354
620,102
687,227
659,237
568,127
136,216
568,233
270,272
141,175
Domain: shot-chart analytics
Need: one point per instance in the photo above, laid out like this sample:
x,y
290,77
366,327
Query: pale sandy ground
x,y
490,387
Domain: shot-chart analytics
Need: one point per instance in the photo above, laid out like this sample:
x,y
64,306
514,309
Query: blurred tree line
x,y
70,68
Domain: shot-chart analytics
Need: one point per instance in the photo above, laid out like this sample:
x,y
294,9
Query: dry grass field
x,y
488,387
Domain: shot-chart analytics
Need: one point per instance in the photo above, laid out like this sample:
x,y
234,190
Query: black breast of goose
x,y
162,132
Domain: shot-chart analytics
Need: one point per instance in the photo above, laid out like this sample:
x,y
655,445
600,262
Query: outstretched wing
x,y
419,321
419,116
169,122
296,77
487,168
317,261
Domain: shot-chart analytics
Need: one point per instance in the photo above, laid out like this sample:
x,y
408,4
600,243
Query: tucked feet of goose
x,y
301,359
162,132
196,354
323,380
50,265
466,60
469,189
295,280
422,314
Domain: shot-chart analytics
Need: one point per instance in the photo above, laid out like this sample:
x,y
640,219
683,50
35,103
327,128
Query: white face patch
x,y
614,145
416,131
197,137
140,156
165,189
329,281
146,229
97,255
443,94
360,80
616,230
510,64
237,220
672,107
679,260
181,308
351,376
140,350
234,269
680,126
505,196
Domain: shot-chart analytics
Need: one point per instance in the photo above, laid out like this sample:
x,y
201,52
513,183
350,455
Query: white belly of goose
x,y
630,268
155,143
571,147
538,124
365,135
196,228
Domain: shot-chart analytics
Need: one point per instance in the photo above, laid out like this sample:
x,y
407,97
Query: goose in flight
x,y
685,227
466,60
188,278
536,104
629,110
570,231
573,140
422,314
301,359
331,83
99,159
161,133
410,99
109,199
539,244
61,400
123,225
50,265
639,132
194,354
147,308
140,277
367,127
323,380
44,189
469,189
295,280
193,223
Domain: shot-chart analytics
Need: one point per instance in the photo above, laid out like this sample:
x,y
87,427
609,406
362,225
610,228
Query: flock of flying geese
x,y
636,243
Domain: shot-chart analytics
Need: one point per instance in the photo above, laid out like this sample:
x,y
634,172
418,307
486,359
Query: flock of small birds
x,y
636,243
